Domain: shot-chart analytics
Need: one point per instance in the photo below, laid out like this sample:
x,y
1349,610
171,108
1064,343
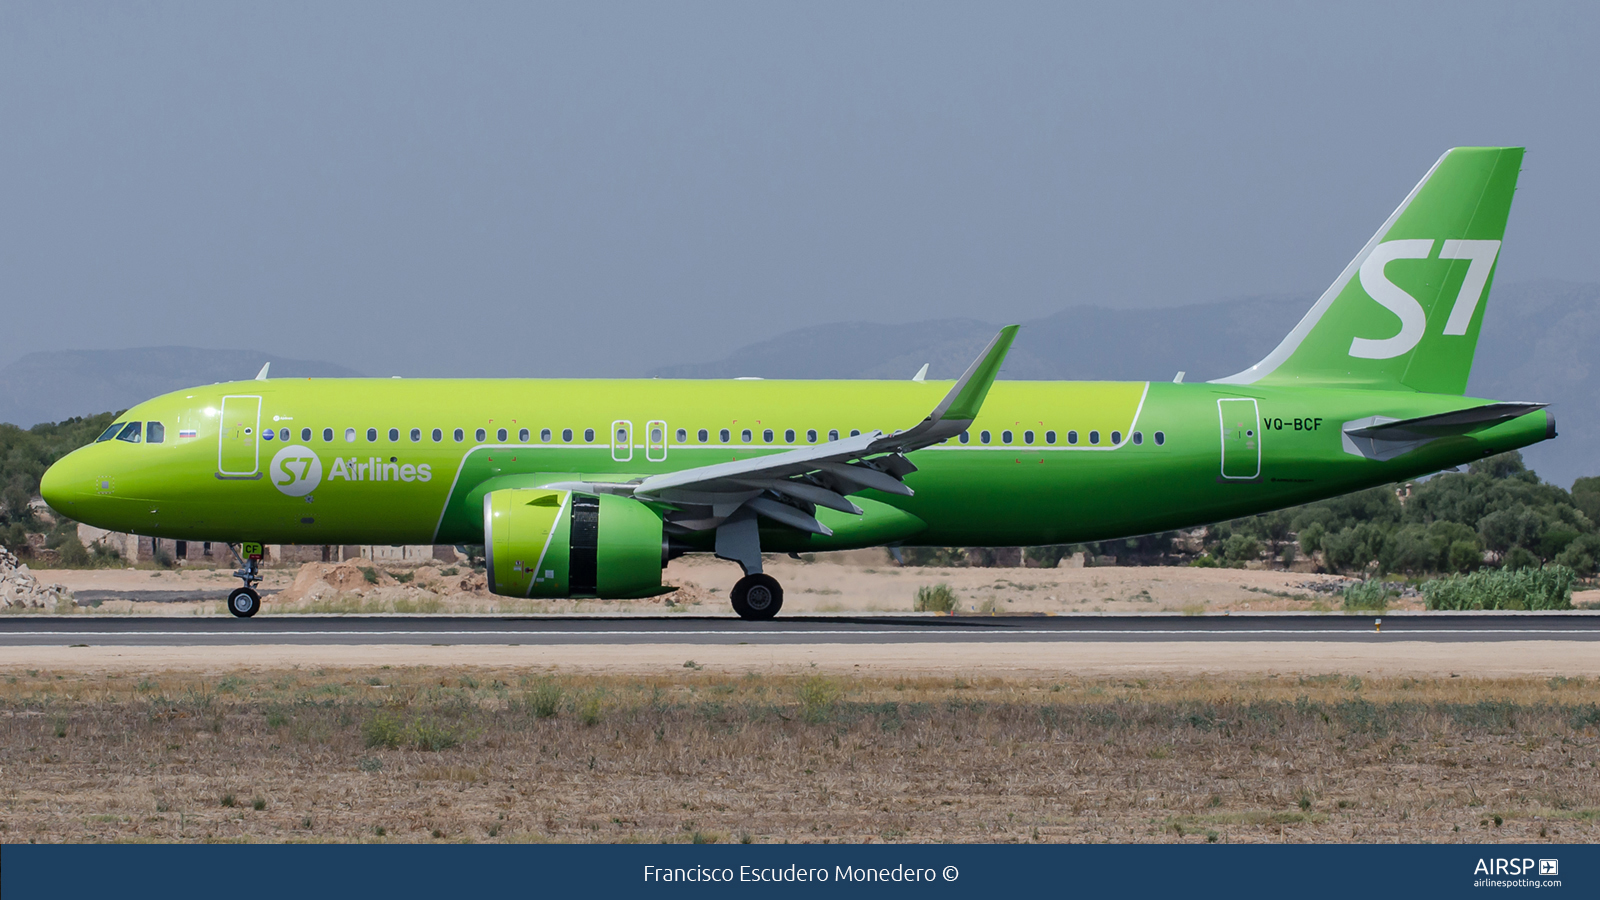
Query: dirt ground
x,y
856,582
387,753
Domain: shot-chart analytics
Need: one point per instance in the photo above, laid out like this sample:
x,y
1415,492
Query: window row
x,y
703,435
155,433
416,435
1006,437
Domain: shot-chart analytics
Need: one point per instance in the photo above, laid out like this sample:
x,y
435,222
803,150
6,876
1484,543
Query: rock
x,y
19,589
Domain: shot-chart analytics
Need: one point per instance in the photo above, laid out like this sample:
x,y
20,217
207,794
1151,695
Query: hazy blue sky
x,y
592,188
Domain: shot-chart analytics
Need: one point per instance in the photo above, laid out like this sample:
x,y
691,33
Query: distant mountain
x,y
52,385
1539,343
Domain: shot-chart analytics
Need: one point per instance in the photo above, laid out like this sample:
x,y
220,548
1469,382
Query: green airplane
x,y
586,488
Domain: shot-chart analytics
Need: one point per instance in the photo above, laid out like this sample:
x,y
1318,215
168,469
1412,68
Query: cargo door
x,y
655,446
238,455
1241,439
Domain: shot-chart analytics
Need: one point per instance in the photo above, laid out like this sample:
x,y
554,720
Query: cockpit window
x,y
110,432
154,432
131,432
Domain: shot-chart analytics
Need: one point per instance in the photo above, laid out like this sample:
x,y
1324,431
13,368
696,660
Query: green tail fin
x,y
1406,312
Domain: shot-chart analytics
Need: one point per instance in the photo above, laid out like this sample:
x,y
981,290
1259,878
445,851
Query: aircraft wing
x,y
787,487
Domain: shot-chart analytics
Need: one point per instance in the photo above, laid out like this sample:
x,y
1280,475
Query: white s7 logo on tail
x,y
1413,321
1482,254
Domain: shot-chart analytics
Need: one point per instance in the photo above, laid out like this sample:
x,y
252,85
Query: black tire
x,y
244,602
757,597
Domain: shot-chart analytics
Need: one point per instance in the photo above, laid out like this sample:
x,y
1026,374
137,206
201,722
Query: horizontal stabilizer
x,y
1459,421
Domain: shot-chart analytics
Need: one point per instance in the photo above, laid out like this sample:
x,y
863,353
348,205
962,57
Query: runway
x,y
355,630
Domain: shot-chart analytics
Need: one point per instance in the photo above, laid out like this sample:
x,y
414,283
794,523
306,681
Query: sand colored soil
x,y
856,582
1034,660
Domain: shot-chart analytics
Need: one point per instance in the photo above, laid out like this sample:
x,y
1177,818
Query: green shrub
x,y
818,698
1372,594
370,574
1549,587
384,730
544,701
387,730
937,598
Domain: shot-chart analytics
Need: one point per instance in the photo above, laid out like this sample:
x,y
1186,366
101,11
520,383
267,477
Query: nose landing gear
x,y
245,602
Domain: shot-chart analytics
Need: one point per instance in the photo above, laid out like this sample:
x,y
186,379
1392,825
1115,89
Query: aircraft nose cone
x,y
60,486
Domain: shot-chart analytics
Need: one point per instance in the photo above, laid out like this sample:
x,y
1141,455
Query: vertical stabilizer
x,y
1405,313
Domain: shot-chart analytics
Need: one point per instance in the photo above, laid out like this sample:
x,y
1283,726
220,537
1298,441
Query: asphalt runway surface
x,y
132,631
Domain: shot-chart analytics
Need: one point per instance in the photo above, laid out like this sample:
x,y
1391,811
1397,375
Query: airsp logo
x,y
1413,321
295,470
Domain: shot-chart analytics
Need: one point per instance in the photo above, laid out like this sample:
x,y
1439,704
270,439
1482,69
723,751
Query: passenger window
x,y
327,435
522,436
544,435
438,435
1027,437
833,434
983,437
811,435
349,435
1161,438
480,435
154,432
704,435
459,435
1094,437
1005,437
965,437
266,434
1072,437
745,435
566,435
1116,437
767,435
283,434
855,432
588,435
305,435
622,435
788,436
109,433
416,435
683,436
500,435
394,435
131,432
1138,438
1049,437
724,435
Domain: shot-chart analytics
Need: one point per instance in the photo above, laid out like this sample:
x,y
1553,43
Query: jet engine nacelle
x,y
550,543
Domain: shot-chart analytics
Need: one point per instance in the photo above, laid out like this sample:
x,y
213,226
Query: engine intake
x,y
549,543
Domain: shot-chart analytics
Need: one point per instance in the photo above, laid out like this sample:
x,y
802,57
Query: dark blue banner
x,y
245,872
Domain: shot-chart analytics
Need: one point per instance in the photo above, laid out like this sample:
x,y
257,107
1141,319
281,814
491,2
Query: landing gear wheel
x,y
244,602
757,597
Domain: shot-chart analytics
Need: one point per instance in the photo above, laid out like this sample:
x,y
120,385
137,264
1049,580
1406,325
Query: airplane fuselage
x,y
408,461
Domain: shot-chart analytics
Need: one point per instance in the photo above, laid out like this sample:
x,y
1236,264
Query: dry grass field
x,y
478,754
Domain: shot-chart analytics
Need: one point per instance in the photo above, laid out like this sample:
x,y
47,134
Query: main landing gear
x,y
757,596
245,601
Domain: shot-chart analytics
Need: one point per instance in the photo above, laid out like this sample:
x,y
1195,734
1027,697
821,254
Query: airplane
x,y
587,488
